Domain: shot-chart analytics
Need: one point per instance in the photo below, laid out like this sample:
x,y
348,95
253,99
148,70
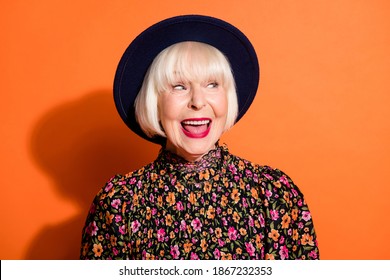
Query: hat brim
x,y
141,52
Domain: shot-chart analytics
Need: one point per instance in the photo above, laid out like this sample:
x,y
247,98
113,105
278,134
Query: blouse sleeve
x,y
291,226
105,233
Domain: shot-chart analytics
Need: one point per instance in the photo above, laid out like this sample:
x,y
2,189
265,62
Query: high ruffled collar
x,y
213,159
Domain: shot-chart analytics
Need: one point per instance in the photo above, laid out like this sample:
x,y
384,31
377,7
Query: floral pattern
x,y
220,207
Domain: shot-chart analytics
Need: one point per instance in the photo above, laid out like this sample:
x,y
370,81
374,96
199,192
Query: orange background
x,y
322,113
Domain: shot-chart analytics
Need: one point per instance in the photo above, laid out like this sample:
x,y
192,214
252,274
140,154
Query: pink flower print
x,y
306,215
194,256
224,222
294,192
183,225
160,235
196,224
284,180
232,233
248,173
261,220
274,214
154,211
313,254
108,187
281,240
269,177
268,193
250,249
122,229
92,229
232,168
115,251
283,252
132,181
244,203
151,197
250,222
115,203
179,206
175,252
118,218
217,254
135,226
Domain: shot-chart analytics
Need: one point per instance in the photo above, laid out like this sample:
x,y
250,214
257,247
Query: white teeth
x,y
196,122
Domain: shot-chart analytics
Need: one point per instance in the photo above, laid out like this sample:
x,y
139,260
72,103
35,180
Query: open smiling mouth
x,y
196,128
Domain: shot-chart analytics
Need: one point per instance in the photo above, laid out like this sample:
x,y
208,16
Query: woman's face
x,y
193,116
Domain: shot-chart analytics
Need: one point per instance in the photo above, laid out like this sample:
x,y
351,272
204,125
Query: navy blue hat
x,y
146,46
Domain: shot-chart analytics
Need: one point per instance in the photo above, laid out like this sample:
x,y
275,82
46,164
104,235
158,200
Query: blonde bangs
x,y
191,61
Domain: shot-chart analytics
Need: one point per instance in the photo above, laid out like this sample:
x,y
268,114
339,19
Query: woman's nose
x,y
197,100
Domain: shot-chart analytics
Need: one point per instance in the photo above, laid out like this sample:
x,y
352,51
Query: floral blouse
x,y
220,207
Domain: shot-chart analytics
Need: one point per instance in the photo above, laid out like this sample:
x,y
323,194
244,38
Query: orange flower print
x,y
171,198
286,221
211,212
241,165
225,182
254,193
307,239
269,257
277,184
286,196
160,201
218,232
203,245
187,247
274,234
259,244
149,256
97,249
294,214
109,217
243,231
242,184
179,187
205,174
153,176
207,187
239,251
148,213
224,201
192,198
168,220
295,234
135,199
113,240
236,217
235,195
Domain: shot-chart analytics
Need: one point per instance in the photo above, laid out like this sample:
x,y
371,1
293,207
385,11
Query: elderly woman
x,y
181,84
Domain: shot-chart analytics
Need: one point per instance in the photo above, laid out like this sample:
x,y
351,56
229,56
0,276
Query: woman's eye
x,y
212,85
179,87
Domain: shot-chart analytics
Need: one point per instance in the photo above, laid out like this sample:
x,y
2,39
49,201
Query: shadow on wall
x,y
80,145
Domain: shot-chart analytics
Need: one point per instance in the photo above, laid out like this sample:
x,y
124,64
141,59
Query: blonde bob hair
x,y
173,63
